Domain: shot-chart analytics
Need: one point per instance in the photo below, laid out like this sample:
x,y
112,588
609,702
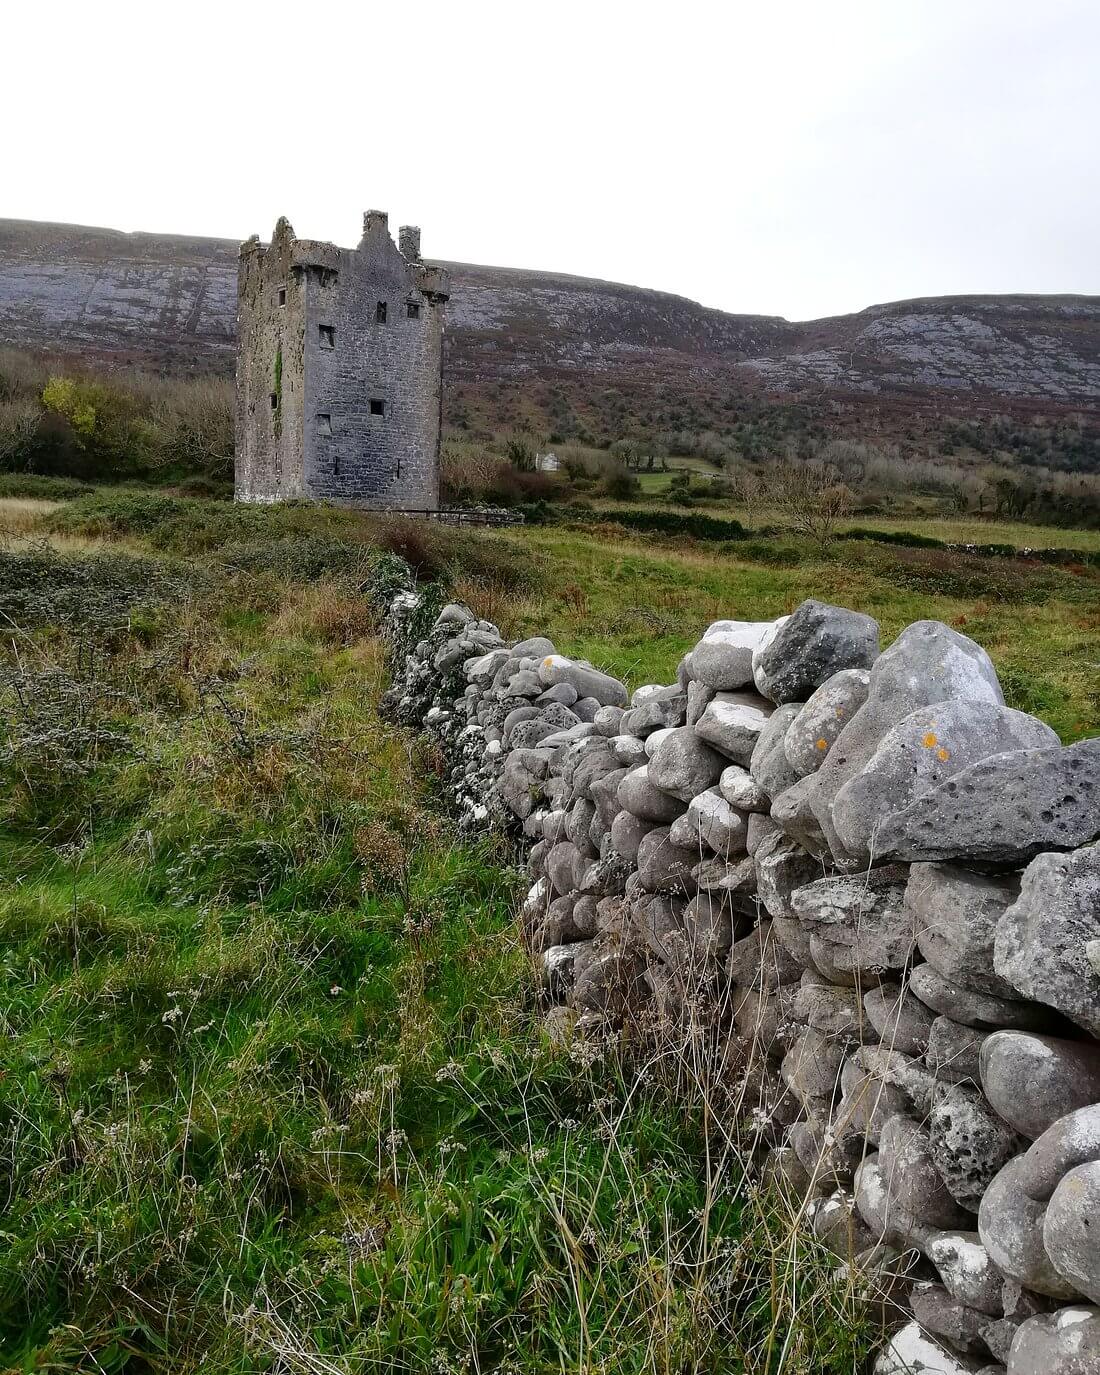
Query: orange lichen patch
x,y
929,741
943,754
823,744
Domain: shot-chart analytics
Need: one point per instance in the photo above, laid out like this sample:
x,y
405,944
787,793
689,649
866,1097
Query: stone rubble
x,y
890,879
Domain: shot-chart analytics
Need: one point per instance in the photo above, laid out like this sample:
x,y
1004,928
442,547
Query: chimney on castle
x,y
375,219
408,241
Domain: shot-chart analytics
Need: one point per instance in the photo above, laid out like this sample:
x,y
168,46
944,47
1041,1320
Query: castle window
x,y
274,400
380,313
327,336
377,407
336,466
324,424
282,295
412,310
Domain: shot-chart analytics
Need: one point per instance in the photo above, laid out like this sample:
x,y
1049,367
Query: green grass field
x,y
274,1089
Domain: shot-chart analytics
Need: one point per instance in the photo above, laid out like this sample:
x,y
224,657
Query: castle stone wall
x,y
360,340
270,363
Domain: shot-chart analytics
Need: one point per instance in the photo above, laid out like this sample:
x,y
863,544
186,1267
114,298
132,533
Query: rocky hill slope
x,y
169,301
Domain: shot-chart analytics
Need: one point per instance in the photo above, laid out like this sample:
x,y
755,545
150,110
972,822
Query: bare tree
x,y
809,496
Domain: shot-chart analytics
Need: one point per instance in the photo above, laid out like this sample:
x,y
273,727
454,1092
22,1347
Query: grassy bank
x,y
274,1089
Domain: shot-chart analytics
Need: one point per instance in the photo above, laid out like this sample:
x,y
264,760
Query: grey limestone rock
x,y
604,792
913,1183
757,829
684,765
520,783
956,913
664,708
939,1312
628,750
664,867
1072,1140
972,1008
717,824
912,1351
885,1215
742,791
970,1144
732,722
925,748
811,1066
584,915
967,1271
698,695
627,831
560,863
683,832
825,714
587,709
588,681
1033,1080
1003,810
537,647
831,1009
758,960
953,1050
723,657
711,922
607,720
563,693
928,663
1071,1228
857,925
1066,1342
1010,1224
639,795
513,719
781,868
762,1017
1041,939
815,642
793,811
901,1020
835,1222
768,764
732,876
577,821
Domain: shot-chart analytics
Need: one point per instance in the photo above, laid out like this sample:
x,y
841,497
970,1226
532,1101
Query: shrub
x,y
78,424
620,485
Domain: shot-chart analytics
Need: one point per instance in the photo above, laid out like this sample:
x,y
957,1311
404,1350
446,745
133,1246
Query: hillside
x,y
592,354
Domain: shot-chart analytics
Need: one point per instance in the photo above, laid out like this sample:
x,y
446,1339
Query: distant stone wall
x,y
888,881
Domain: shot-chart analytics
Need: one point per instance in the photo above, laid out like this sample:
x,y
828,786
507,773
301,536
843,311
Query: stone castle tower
x,y
339,370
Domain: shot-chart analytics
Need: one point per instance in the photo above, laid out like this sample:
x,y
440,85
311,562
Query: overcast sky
x,y
793,158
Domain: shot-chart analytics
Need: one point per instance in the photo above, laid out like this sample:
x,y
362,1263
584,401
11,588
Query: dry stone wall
x,y
892,879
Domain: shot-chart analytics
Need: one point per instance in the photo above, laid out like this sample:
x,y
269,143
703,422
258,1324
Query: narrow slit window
x,y
336,466
380,313
377,407
282,295
274,400
327,336
412,310
324,424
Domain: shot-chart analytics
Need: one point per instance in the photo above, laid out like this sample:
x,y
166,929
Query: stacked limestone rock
x,y
892,879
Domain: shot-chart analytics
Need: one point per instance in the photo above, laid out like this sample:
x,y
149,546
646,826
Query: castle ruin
x,y
339,370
